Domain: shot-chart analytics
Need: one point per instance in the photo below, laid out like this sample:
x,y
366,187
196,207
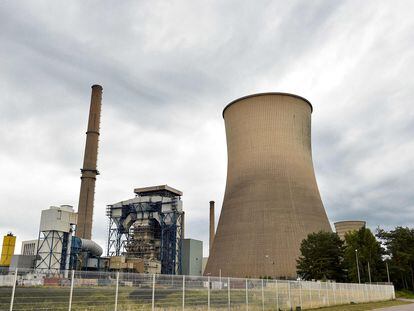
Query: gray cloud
x,y
168,69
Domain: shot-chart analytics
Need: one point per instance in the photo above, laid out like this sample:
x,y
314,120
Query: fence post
x,y
14,289
183,292
263,302
208,294
334,292
300,294
277,296
116,291
228,293
71,290
247,297
153,292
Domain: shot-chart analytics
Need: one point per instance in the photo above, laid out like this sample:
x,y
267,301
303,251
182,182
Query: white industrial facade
x,y
55,236
29,247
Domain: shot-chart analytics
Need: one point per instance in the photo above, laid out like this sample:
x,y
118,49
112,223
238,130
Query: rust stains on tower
x,y
272,201
89,170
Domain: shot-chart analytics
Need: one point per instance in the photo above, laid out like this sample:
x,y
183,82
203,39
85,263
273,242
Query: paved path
x,y
409,307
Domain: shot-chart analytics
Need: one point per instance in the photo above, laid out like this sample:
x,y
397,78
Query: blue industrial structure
x,y
149,226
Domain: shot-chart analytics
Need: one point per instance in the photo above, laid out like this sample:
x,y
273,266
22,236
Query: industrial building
x,y
23,262
344,227
7,250
271,201
192,257
57,225
58,248
150,227
29,247
145,233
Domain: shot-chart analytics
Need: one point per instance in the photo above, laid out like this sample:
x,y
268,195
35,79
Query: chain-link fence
x,y
87,290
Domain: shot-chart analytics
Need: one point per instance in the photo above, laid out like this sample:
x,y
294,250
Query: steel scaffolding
x,y
123,235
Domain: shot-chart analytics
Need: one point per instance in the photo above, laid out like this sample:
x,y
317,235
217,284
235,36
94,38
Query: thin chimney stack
x,y
212,225
89,170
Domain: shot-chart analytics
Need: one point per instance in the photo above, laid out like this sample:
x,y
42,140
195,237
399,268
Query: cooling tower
x,y
272,201
89,170
344,227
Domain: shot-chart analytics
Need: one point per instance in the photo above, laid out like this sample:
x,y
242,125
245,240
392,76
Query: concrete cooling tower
x,y
272,201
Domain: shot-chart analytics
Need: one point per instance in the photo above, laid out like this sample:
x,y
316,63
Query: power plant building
x,y
57,225
29,247
271,201
148,227
192,257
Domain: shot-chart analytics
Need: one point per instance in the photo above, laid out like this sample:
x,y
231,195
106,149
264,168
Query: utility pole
x,y
369,273
388,272
357,263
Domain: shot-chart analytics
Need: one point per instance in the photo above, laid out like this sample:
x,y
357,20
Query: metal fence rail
x,y
87,290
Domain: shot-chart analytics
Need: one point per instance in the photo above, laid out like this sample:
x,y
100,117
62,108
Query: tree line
x,y
363,257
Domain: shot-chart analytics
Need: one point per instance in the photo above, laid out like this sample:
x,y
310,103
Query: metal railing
x,y
87,290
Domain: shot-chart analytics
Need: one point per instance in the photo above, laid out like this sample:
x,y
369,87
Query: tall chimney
x,y
212,229
89,171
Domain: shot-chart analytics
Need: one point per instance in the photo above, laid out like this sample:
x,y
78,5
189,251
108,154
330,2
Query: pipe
x,y
91,247
89,170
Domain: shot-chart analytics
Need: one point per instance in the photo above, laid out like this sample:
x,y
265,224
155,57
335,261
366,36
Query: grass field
x,y
103,298
404,294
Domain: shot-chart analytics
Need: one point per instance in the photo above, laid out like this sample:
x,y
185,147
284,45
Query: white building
x,y
29,247
56,228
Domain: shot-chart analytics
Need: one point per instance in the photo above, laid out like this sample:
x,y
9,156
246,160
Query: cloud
x,y
168,70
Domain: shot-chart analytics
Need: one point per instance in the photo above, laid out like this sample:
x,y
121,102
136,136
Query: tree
x,y
321,257
369,252
399,244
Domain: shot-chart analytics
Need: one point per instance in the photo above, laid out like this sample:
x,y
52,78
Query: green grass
x,y
404,294
103,298
365,306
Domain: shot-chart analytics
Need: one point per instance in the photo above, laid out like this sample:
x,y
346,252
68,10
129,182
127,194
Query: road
x,y
409,307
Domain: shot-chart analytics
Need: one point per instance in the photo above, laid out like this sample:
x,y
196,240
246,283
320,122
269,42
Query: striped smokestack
x,y
89,170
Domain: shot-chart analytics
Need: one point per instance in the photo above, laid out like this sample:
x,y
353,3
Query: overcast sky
x,y
168,68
